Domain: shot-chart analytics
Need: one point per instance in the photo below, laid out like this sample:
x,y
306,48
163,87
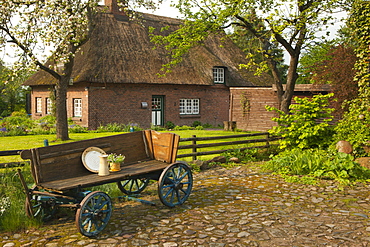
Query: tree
x,y
290,24
35,27
12,94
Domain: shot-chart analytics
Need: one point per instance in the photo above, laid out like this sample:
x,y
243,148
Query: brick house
x,y
115,77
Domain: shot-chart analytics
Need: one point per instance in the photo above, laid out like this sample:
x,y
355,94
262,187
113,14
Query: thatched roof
x,y
120,51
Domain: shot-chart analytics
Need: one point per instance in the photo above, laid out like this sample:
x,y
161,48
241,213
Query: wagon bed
x,y
60,174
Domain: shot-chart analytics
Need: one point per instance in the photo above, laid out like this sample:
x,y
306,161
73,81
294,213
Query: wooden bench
x,y
60,167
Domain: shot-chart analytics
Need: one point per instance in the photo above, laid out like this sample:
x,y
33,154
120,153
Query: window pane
x,y
189,106
218,75
77,107
48,106
38,104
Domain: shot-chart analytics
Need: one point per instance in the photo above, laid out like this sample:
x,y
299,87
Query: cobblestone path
x,y
228,207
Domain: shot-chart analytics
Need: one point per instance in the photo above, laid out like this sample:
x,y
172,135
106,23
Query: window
x,y
38,104
77,107
189,106
48,106
218,75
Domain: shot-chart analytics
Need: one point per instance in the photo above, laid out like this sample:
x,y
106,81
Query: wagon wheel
x,y
133,186
40,207
175,184
93,214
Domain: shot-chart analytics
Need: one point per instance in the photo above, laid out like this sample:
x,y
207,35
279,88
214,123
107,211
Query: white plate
x,y
91,158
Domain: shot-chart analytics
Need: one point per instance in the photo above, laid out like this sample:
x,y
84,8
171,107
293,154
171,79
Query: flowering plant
x,y
113,157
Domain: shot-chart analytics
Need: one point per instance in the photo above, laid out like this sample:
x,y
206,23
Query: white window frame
x,y
77,107
219,75
38,104
49,106
189,106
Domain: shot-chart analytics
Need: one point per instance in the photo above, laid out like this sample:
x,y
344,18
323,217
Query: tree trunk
x,y
61,109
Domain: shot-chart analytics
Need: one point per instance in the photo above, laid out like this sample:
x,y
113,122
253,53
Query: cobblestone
x,y
228,207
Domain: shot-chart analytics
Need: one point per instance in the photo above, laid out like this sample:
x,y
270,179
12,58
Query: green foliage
x,y
319,164
355,126
169,125
183,127
12,201
196,124
17,124
117,127
307,124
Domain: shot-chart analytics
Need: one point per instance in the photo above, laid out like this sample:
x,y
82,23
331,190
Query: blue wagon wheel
x,y
40,207
175,184
94,213
133,186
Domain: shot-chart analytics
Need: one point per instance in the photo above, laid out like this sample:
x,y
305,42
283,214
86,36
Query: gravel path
x,y
228,207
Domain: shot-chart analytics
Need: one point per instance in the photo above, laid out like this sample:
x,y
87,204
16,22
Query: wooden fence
x,y
247,139
243,142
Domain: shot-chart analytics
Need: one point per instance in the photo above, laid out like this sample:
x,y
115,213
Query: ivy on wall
x,y
245,104
355,125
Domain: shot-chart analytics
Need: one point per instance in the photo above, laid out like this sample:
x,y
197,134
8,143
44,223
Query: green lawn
x,y
33,141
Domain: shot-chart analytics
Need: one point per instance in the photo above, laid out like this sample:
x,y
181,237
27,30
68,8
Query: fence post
x,y
194,147
268,140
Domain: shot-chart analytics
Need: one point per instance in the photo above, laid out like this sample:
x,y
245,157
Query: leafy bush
x,y
77,129
16,124
307,124
184,127
169,125
196,124
318,163
355,126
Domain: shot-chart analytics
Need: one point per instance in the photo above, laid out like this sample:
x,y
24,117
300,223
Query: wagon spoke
x,y
94,213
174,185
133,186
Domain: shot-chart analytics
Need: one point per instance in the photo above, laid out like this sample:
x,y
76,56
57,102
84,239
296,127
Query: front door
x,y
157,110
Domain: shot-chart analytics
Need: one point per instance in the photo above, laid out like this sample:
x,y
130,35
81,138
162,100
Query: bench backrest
x,y
64,160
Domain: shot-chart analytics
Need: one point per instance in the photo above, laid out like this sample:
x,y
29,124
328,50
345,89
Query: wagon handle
x,y
26,189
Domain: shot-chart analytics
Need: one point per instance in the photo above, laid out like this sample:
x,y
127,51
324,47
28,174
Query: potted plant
x,y
115,161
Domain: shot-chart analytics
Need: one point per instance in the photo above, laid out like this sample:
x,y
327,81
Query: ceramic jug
x,y
103,166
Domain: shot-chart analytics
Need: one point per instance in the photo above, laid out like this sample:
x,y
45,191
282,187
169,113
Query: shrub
x,y
169,125
318,164
196,123
16,124
307,124
184,127
355,126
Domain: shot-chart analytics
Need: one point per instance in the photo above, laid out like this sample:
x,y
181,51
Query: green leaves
x,y
306,126
318,164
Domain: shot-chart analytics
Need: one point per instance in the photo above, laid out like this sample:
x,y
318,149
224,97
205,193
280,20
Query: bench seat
x,y
93,179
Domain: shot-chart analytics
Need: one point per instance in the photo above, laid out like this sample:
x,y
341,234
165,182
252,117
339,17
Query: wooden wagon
x,y
61,175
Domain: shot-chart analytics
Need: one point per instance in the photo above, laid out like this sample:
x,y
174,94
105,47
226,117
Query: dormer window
x,y
219,75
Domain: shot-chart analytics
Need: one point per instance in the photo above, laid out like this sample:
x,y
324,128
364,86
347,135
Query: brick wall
x,y
121,103
248,108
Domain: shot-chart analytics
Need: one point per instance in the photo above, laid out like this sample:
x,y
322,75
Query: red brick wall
x,y
74,92
121,103
257,118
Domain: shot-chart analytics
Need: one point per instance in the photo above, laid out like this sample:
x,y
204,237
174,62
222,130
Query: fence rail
x,y
195,146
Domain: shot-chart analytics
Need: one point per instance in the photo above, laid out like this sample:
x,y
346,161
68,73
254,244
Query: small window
x,y
189,106
219,75
38,105
48,106
77,107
